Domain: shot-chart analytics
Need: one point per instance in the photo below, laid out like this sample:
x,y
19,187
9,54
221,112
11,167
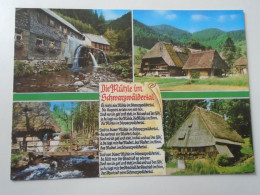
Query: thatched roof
x,y
241,61
204,128
166,52
33,116
209,59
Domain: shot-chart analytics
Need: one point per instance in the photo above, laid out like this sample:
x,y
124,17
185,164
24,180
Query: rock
x,y
85,89
92,84
78,83
86,81
76,78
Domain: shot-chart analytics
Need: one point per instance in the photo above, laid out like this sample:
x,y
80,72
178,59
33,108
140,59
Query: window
x,y
39,41
65,30
51,22
18,35
40,18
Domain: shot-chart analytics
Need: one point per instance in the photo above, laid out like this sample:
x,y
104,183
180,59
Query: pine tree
x,y
229,51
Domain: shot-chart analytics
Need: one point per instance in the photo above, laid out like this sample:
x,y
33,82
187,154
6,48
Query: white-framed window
x,y
18,35
39,41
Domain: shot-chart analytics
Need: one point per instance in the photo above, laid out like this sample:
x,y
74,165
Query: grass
x,y
210,84
248,166
171,165
209,166
16,157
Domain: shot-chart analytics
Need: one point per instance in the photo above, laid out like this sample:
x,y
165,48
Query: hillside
x,y
175,33
121,23
146,36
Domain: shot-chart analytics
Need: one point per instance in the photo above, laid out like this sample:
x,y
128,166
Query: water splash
x,y
95,64
105,57
75,66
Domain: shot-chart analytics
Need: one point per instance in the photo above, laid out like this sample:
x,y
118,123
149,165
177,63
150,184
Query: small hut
x,y
162,60
205,133
32,119
206,63
241,65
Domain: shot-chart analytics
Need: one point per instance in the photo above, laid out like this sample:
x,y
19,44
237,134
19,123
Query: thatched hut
x,y
162,60
205,63
205,133
32,119
241,65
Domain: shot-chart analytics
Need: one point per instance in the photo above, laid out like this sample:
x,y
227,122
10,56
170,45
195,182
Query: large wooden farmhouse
x,y
162,60
241,65
40,34
97,41
205,133
206,63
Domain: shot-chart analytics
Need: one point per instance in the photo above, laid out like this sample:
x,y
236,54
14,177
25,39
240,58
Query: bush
x,y
21,69
223,160
195,74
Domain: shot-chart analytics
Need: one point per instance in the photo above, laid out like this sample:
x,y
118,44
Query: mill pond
x,y
85,80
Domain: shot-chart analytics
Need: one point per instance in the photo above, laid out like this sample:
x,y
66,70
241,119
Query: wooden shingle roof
x,y
204,128
209,59
166,52
241,61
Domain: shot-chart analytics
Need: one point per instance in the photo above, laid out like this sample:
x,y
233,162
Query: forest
x,y
80,118
117,32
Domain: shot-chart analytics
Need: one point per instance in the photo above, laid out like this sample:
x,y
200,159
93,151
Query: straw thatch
x,y
204,128
209,59
166,52
33,117
242,61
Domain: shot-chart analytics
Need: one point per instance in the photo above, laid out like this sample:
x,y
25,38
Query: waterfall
x,y
105,57
93,59
75,66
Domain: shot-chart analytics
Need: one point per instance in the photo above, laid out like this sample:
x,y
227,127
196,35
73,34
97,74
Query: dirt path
x,y
204,88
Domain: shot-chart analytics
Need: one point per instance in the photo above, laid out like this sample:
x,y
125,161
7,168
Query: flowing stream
x,y
59,168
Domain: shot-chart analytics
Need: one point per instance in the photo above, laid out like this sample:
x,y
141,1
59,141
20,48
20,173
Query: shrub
x,y
21,69
195,74
223,160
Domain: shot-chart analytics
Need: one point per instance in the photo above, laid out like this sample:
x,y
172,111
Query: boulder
x,y
78,83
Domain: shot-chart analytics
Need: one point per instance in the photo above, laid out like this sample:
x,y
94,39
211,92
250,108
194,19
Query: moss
x,y
173,55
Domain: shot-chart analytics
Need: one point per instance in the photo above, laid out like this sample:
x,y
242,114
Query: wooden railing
x,y
60,147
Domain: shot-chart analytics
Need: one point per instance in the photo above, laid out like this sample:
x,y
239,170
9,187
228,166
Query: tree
x,y
229,51
111,37
237,114
175,112
194,44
